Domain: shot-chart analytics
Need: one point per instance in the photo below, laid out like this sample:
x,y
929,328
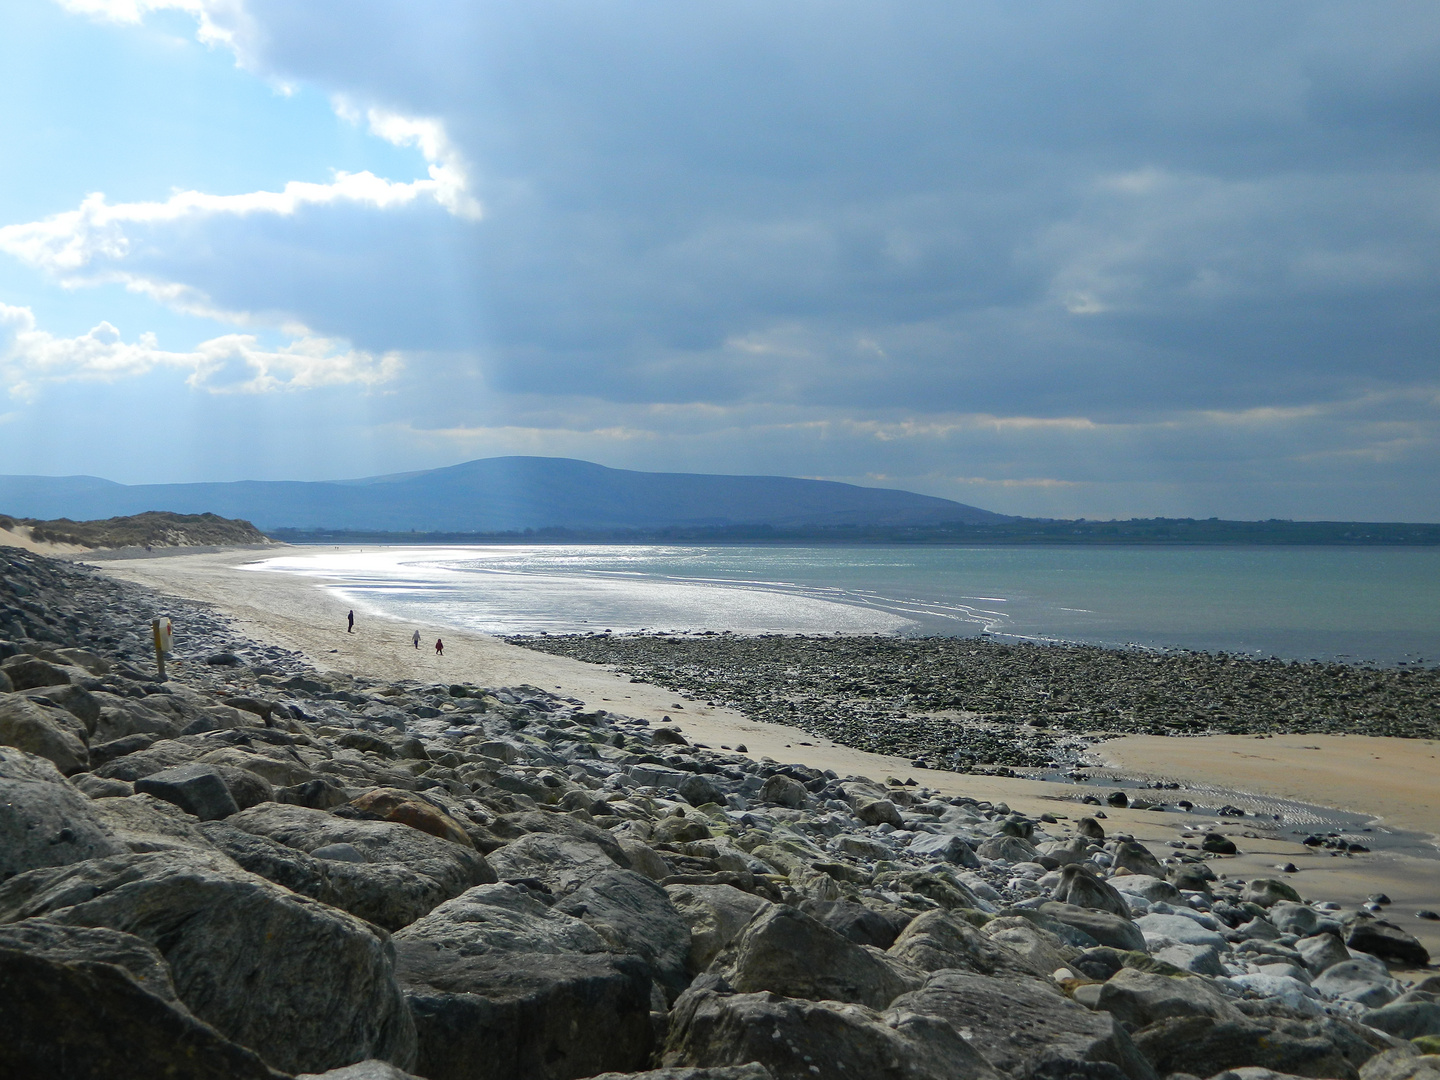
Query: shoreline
x,y
300,613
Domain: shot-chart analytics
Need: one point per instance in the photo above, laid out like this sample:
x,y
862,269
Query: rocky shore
x,y
255,869
968,704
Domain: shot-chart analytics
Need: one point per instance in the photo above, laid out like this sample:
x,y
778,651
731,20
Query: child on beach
x,y
439,647
417,639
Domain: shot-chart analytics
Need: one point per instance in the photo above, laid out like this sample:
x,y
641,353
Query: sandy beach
x,y
1395,780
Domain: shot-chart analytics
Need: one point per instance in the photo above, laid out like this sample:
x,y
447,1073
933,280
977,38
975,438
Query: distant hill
x,y
152,529
500,495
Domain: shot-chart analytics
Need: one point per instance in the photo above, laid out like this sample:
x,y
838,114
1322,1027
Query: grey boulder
x,y
634,915
938,939
28,726
1138,998
563,863
716,914
199,790
1081,888
43,820
1105,927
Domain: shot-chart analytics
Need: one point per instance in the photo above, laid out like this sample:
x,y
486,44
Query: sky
x,y
1095,259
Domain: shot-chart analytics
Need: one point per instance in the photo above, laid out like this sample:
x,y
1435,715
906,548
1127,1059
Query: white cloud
x,y
233,363
218,19
447,167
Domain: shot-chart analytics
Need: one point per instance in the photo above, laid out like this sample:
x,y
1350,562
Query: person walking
x,y
439,647
350,628
417,639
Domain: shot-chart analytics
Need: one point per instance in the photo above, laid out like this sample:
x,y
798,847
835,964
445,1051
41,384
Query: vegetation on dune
x,y
152,529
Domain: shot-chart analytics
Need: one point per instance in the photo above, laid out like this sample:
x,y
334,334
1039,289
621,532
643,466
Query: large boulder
x,y
1406,1020
1151,888
306,986
1039,949
752,1071
383,871
1105,927
1384,939
1401,1064
1138,998
937,939
878,812
49,1008
502,1014
563,863
144,823
28,726
414,810
857,923
1361,980
814,1040
1080,888
634,915
197,789
781,790
716,915
1268,891
1204,1046
1137,859
1026,1028
98,945
28,672
500,919
1159,929
787,952
43,820
1007,848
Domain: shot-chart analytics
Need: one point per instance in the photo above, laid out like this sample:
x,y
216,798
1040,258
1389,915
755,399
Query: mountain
x,y
497,495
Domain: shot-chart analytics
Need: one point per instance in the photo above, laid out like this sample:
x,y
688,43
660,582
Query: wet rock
x,y
1026,1028
43,820
784,951
815,1040
306,986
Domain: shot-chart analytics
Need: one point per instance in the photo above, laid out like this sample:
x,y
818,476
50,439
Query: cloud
x,y
231,364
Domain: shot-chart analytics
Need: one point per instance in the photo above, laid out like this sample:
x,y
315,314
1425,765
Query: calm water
x,y
1353,604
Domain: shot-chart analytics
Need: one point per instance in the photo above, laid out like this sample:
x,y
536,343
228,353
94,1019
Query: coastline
x,y
299,613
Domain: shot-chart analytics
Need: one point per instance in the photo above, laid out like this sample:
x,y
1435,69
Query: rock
x,y
697,791
1137,859
634,915
563,863
1026,1028
141,823
199,790
1410,1020
1321,951
1151,888
97,945
781,790
951,849
1267,892
1401,1064
644,859
814,1040
1191,877
1292,918
1009,848
1387,941
1359,981
75,700
1089,827
1138,999
1077,850
936,940
28,672
716,915
752,1071
1105,927
99,787
856,923
501,1014
406,872
1180,929
1080,888
787,952
1038,949
414,811
295,870
43,820
49,1006
1218,844
1195,959
305,985
878,812
500,919
29,727
1205,1046
362,1070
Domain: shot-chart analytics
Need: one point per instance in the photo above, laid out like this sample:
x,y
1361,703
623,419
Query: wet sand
x,y
1396,780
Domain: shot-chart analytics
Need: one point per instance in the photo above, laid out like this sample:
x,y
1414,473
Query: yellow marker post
x,y
163,632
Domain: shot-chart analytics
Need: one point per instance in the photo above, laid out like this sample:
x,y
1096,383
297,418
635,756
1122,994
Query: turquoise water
x,y
1356,604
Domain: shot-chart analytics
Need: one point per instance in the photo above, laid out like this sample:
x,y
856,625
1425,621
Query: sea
x,y
1349,604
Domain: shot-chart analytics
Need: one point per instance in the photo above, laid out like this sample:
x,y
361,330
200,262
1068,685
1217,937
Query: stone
x,y
643,859
413,810
1151,888
304,985
1181,929
752,1071
561,862
321,793
951,849
1204,1046
49,1006
856,923
814,1040
29,727
1105,927
1089,827
1078,887
362,1070
75,700
1195,959
697,791
500,918
82,944
1137,859
1359,981
43,820
199,790
935,940
1267,892
878,812
1218,844
1401,1064
497,1015
28,672
716,915
1011,849
1321,951
141,823
1387,941
1138,999
1191,877
1408,1020
1026,1028
784,951
1039,949
1292,918
634,915
781,790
